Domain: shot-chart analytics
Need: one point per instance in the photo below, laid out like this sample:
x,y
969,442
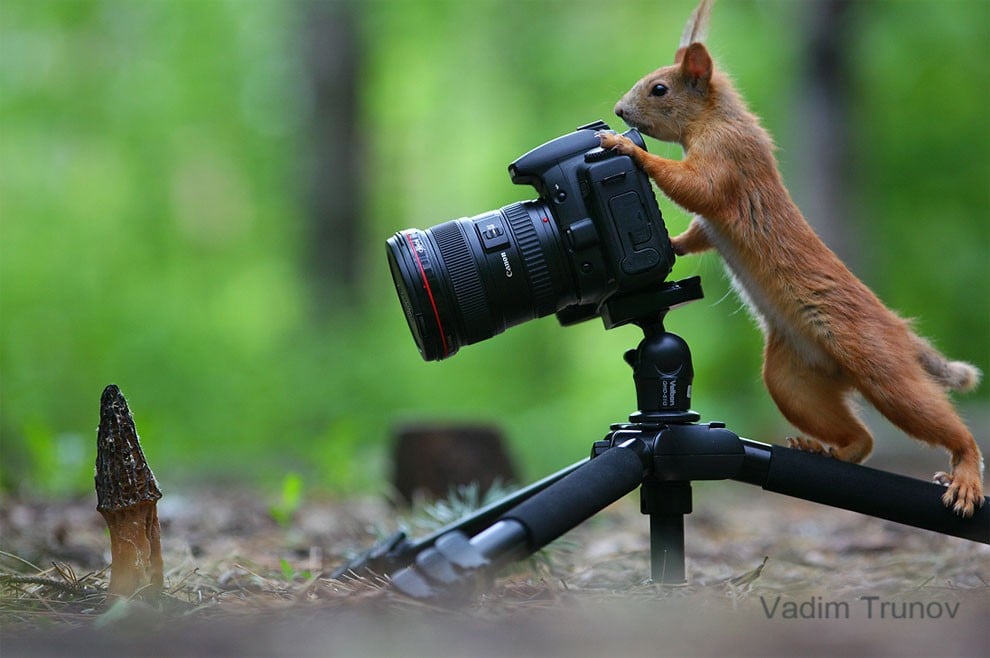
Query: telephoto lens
x,y
593,244
466,280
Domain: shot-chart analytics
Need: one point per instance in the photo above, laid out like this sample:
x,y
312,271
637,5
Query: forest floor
x,y
238,583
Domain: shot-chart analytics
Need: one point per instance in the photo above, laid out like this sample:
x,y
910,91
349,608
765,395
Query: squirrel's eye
x,y
659,90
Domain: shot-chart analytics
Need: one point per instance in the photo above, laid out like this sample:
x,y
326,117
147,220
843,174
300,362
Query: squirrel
x,y
826,333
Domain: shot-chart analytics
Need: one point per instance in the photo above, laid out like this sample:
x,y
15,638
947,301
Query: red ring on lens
x,y
429,293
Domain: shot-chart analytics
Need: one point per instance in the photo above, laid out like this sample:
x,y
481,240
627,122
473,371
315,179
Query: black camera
x,y
595,237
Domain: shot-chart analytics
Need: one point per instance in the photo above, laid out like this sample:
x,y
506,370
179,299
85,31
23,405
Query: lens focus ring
x,y
465,280
523,228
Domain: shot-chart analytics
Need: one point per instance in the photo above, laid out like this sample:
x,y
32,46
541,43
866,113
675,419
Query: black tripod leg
x,y
858,488
451,570
667,549
397,551
666,503
478,521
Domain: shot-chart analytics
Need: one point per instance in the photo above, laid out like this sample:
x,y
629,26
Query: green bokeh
x,y
153,227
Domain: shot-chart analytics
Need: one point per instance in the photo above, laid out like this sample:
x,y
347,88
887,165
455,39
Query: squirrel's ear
x,y
696,65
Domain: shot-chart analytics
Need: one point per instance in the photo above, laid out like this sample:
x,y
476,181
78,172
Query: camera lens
x,y
466,280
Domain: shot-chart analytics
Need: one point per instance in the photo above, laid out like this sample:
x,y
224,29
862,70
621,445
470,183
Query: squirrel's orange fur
x,y
826,333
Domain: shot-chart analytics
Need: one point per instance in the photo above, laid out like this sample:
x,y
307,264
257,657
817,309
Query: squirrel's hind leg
x,y
816,403
918,405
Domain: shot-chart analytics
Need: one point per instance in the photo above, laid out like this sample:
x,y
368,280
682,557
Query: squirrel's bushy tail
x,y
953,375
697,26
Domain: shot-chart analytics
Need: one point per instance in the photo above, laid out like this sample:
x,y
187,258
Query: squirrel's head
x,y
664,103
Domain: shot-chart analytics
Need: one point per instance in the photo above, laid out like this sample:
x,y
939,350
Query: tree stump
x,y
431,459
127,497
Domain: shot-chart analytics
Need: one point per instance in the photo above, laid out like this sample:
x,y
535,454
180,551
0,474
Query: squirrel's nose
x,y
618,110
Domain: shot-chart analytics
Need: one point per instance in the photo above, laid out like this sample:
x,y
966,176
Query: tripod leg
x,y
861,489
667,549
666,503
397,551
452,569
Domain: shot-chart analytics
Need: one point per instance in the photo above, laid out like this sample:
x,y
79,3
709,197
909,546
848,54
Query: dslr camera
x,y
592,245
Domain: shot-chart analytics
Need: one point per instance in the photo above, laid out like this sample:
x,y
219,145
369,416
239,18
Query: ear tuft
x,y
696,65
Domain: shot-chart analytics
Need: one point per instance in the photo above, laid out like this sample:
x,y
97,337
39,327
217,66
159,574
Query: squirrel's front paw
x,y
615,142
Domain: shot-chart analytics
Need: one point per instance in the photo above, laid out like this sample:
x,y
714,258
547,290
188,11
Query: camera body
x,y
593,244
606,212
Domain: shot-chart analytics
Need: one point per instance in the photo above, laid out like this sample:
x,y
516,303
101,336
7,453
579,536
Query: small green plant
x,y
288,501
289,573
427,516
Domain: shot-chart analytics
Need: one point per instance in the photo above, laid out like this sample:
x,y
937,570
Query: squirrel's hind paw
x,y
808,445
963,495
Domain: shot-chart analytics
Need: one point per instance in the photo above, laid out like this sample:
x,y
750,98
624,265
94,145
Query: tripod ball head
x,y
663,374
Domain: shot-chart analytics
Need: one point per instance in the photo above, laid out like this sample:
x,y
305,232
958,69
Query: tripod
x,y
661,450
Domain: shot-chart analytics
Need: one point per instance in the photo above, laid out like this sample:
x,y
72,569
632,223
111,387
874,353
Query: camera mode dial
x,y
598,154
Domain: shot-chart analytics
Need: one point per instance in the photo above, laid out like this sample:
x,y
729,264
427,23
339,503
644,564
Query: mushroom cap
x,y
123,477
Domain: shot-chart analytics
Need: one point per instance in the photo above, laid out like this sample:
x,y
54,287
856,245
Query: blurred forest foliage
x,y
156,183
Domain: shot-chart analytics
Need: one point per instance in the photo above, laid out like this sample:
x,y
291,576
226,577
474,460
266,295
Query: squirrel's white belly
x,y
760,304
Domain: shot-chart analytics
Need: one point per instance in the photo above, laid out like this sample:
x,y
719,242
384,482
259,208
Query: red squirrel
x,y
826,333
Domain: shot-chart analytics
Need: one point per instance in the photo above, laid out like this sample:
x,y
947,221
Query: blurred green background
x,y
194,197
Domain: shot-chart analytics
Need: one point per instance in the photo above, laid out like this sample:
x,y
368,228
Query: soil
x,y
768,575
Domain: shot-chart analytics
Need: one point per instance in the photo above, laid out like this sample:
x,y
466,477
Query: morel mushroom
x,y
127,497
